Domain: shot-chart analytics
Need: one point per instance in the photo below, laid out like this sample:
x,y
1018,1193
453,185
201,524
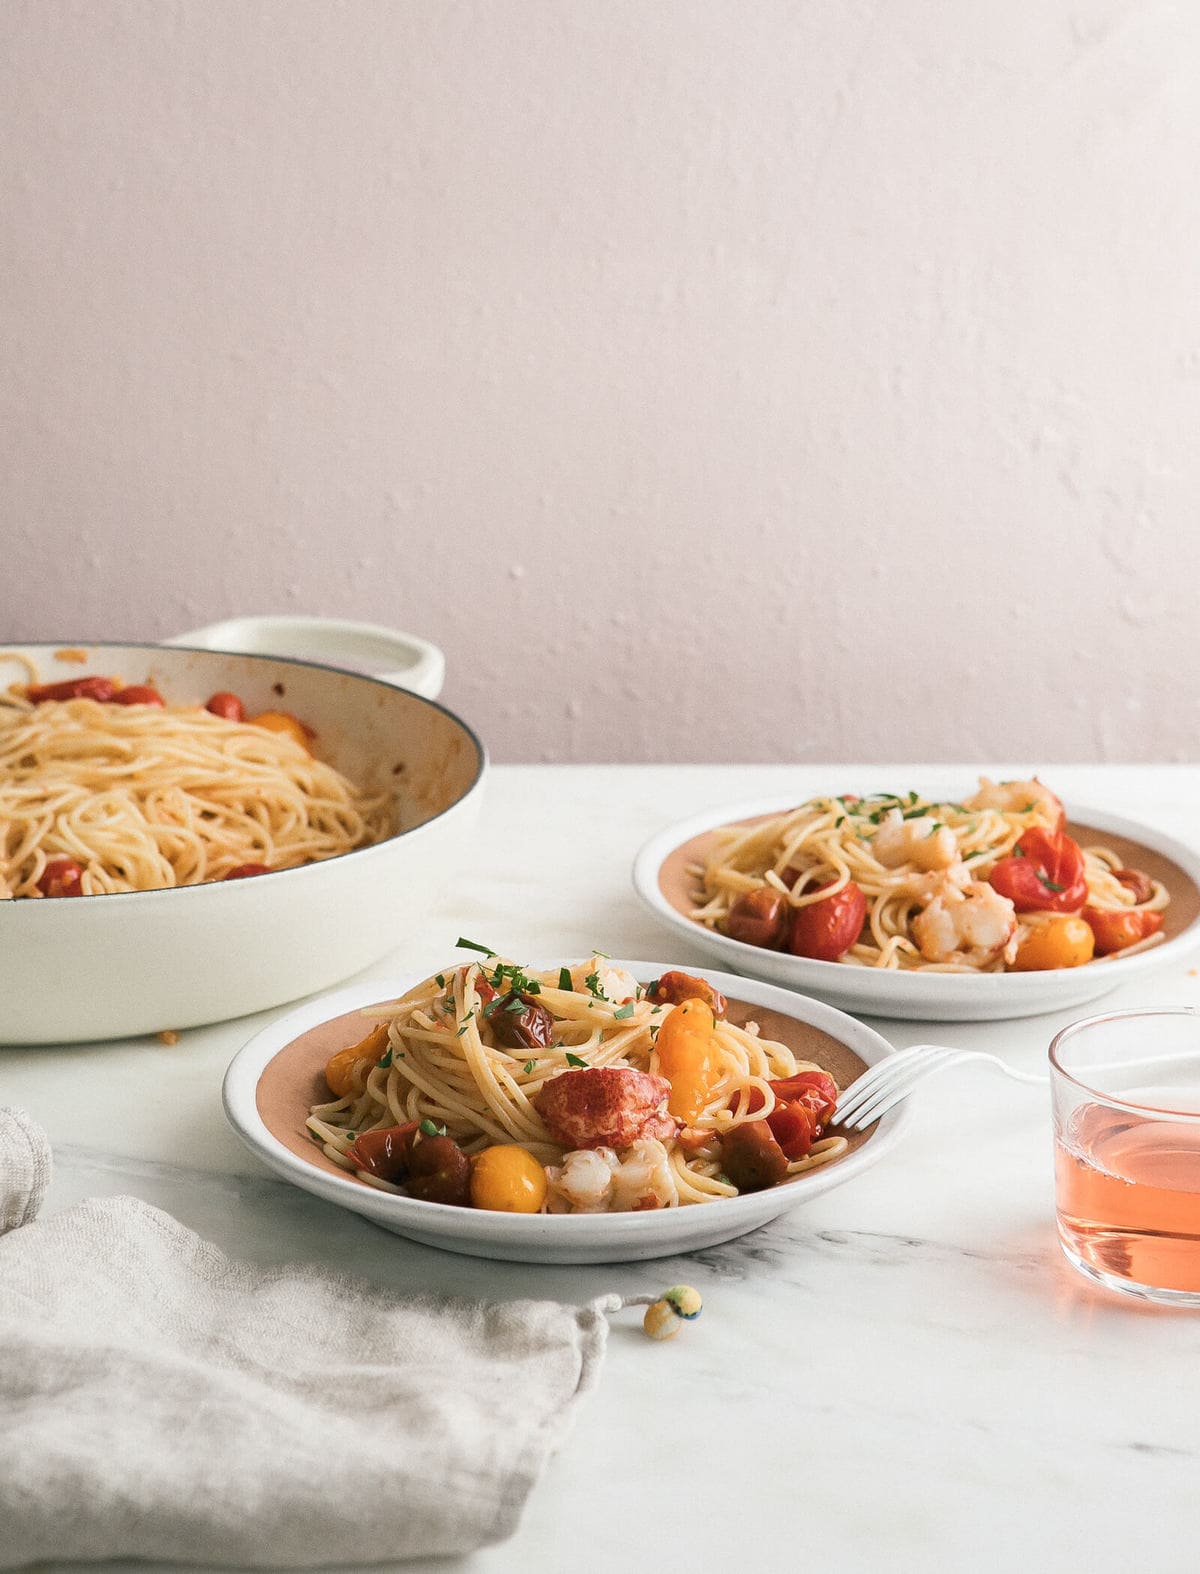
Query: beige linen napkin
x,y
158,1400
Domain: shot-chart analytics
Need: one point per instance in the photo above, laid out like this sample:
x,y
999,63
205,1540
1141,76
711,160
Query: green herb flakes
x,y
462,944
575,1060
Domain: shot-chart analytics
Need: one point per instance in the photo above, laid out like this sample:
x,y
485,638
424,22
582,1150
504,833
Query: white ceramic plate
x,y
938,997
270,1085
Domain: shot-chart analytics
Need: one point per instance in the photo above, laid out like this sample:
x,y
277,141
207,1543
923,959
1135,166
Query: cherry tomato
x,y
137,694
385,1153
816,1089
1061,942
347,1071
758,917
751,1157
246,871
521,1022
794,1127
439,1171
61,877
283,722
1114,930
827,929
1044,874
687,1057
676,987
508,1179
1140,885
227,705
101,689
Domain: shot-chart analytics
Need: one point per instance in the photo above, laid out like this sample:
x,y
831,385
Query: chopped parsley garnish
x,y
515,1004
528,1067
387,1059
440,980
623,1011
592,984
604,954
564,978
652,987
473,945
429,1128
466,1022
1051,885
915,814
575,1060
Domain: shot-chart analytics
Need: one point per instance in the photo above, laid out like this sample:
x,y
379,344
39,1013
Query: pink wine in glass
x,y
1128,1189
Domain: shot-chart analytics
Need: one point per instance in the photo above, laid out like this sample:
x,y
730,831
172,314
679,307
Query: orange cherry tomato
x,y
61,877
1044,873
508,1179
827,929
283,722
1116,929
687,1057
347,1071
137,694
1060,942
227,705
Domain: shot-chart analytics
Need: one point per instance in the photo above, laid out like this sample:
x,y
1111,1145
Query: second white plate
x,y
924,996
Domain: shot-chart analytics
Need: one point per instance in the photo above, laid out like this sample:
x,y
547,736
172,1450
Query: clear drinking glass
x,y
1126,1091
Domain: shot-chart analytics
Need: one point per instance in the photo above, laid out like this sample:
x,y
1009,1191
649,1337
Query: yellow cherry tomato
x,y
1059,942
281,721
508,1179
687,1057
348,1070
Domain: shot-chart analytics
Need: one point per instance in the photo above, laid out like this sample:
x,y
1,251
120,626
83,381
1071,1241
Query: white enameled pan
x,y
96,967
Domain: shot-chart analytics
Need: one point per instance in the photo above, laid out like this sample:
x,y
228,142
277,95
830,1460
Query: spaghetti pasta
x,y
141,796
902,882
567,1068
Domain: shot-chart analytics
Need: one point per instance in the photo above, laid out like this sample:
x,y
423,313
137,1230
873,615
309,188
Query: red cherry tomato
x,y
61,877
1114,930
226,705
816,1089
1044,874
825,930
385,1153
794,1127
102,689
137,694
247,871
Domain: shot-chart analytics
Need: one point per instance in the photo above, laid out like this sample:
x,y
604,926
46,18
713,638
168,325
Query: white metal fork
x,y
883,1085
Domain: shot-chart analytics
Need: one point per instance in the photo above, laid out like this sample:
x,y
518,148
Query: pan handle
x,y
400,659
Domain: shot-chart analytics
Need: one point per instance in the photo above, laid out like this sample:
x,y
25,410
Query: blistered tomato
x,y
508,1179
1060,942
687,1057
347,1071
284,722
1115,929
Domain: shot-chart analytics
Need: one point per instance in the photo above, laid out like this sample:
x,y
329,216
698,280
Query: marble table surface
x,y
903,1374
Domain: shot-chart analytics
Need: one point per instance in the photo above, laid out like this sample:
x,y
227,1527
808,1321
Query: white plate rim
x,y
876,982
239,1098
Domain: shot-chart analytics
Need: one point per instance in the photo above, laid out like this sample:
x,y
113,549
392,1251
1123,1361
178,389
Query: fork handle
x,y
1039,1078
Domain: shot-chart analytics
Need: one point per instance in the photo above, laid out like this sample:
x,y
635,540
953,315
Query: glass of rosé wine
x,y
1126,1093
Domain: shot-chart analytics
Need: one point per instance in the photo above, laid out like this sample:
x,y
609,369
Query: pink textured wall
x,y
710,380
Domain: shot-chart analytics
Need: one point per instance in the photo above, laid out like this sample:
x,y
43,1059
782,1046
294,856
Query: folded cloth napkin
x,y
159,1400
